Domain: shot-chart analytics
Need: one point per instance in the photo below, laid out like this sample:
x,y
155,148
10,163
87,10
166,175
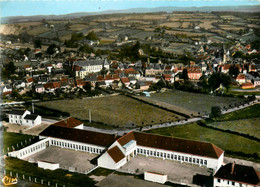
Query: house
x,y
225,68
168,78
91,79
194,73
247,85
69,122
39,88
27,68
233,174
7,89
82,68
32,120
125,81
29,81
17,116
241,78
51,86
155,69
131,72
143,85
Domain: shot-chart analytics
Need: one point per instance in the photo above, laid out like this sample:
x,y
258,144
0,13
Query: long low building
x,y
118,150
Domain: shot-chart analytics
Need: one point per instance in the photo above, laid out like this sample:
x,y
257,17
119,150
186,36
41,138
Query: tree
x,y
8,70
185,75
52,49
85,48
37,44
226,81
233,71
215,112
92,36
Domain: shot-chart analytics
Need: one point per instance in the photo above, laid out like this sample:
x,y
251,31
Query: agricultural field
x,y
245,113
118,111
78,27
230,143
193,101
245,126
37,31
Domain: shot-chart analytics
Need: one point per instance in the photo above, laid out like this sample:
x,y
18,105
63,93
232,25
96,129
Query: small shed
x,y
155,177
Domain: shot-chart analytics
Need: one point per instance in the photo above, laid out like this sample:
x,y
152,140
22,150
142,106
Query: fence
x,y
29,150
33,179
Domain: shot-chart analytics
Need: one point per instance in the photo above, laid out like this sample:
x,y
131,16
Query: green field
x,y
12,139
245,113
118,111
194,101
244,126
226,141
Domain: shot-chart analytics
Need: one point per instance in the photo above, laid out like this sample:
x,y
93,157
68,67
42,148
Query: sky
x,y
57,7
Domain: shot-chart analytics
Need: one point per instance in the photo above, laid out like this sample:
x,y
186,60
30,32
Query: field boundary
x,y
157,106
229,131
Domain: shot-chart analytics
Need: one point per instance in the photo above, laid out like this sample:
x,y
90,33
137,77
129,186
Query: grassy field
x,y
193,101
12,139
245,126
227,142
246,113
118,111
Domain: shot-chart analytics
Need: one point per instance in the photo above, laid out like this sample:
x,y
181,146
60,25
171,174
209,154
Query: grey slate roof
x,y
17,112
31,116
90,63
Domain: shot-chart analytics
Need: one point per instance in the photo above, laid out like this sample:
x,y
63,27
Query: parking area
x,y
176,172
77,160
35,131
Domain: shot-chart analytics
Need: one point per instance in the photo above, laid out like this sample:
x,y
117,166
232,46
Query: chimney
x,y
115,135
233,167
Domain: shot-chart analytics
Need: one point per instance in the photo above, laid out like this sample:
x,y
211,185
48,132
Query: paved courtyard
x,y
65,157
114,180
176,172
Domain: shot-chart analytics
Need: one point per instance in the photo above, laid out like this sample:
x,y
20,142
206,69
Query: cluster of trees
x,y
75,37
8,70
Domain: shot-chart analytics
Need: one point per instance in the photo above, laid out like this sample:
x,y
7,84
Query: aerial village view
x,y
130,93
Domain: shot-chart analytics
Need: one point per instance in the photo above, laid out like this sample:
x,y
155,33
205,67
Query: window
x,y
233,183
164,155
175,157
137,150
198,161
190,159
144,151
161,154
182,158
158,153
205,162
218,180
154,153
179,157
141,151
186,159
201,161
172,156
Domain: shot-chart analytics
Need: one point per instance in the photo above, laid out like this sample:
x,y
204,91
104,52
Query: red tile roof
x,y
125,80
116,154
126,138
69,122
26,66
29,80
51,85
241,76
